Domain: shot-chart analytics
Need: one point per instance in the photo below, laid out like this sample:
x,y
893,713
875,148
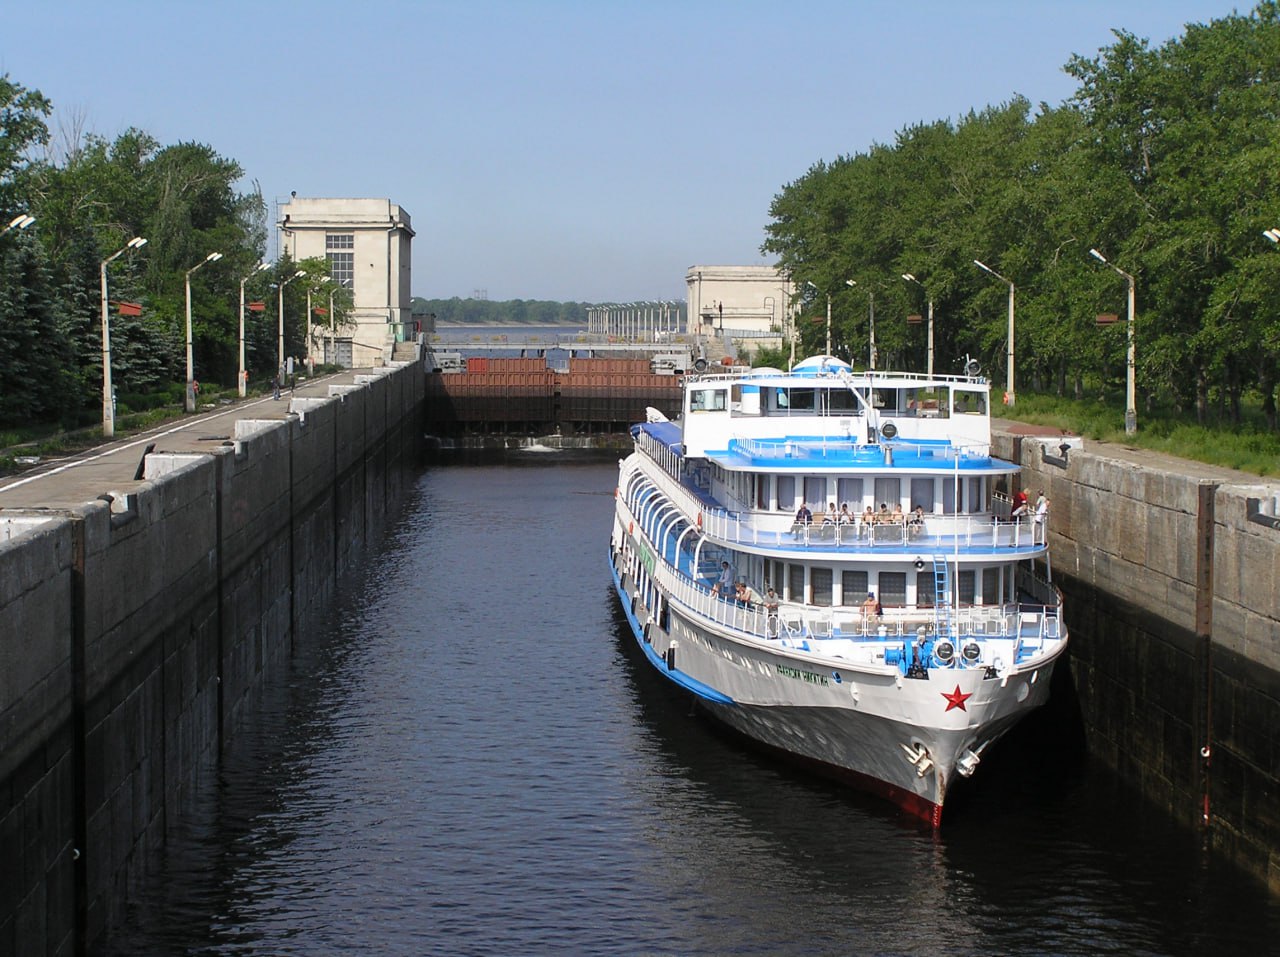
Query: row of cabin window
x,y
934,494
890,587
772,400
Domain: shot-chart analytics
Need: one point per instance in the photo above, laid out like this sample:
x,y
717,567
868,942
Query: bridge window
x,y
925,402
969,401
707,400
746,400
841,402
801,399
886,400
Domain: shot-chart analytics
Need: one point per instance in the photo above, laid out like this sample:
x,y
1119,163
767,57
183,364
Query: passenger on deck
x,y
897,517
915,525
846,516
725,584
868,516
746,595
1042,510
831,516
883,517
870,608
772,626
803,517
771,601
1019,505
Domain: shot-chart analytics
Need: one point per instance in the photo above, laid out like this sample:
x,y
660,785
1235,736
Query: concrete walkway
x,y
76,479
58,483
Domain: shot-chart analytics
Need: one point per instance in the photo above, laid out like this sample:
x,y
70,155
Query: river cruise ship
x,y
834,565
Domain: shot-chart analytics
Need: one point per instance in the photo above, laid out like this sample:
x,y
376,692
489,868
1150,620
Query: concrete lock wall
x,y
137,633
1171,576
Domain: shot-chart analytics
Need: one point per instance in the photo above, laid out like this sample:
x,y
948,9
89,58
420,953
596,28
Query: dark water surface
x,y
473,761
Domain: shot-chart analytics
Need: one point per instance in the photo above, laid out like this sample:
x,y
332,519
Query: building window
x,y
339,250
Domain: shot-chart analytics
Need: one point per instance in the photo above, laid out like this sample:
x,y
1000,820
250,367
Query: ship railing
x,y
976,532
671,486
1032,622
1031,625
823,447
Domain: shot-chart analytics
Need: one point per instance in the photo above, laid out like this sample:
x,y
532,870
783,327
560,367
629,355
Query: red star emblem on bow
x,y
957,698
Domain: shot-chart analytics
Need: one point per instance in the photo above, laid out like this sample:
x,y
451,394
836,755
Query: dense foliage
x,y
1166,160
510,312
89,197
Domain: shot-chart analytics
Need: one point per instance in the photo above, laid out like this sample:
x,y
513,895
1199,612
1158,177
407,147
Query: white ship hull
x,y
867,728
956,640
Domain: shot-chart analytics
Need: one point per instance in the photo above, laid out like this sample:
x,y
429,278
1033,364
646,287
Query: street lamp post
x,y
910,278
18,222
871,324
1009,373
191,387
108,400
828,352
280,318
816,289
1131,400
243,378
311,338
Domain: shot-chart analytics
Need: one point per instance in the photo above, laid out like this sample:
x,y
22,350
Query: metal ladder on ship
x,y
941,596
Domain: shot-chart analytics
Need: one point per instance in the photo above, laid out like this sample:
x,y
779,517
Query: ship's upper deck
x,y
822,402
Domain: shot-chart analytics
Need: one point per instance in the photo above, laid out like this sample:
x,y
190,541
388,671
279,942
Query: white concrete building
x,y
367,243
751,304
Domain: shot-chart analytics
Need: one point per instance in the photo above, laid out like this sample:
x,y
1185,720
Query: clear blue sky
x,y
554,149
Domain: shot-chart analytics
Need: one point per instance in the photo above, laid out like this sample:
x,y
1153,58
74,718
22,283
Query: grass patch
x,y
1249,447
139,415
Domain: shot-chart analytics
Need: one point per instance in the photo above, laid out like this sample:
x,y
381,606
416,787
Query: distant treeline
x,y
511,312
